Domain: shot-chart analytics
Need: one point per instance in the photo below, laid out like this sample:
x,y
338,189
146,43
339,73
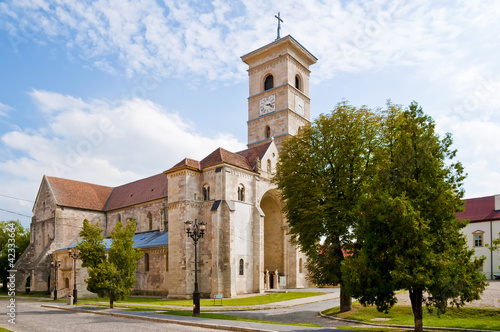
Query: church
x,y
246,247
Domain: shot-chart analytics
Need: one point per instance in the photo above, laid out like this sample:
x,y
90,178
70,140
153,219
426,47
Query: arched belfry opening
x,y
273,238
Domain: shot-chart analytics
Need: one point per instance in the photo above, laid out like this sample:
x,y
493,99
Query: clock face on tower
x,y
267,104
299,105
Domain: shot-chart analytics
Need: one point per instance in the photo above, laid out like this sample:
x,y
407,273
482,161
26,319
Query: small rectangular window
x,y
478,240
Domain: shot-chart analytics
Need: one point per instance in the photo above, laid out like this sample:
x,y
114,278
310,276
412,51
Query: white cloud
x,y
192,38
4,109
105,142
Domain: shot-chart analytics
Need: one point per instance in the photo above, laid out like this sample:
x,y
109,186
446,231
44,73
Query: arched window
x,y
119,217
300,265
146,262
150,219
66,283
269,82
297,82
206,192
268,132
241,267
241,193
269,166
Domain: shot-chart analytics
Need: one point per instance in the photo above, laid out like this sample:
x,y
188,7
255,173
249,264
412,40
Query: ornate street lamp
x,y
55,265
195,231
75,256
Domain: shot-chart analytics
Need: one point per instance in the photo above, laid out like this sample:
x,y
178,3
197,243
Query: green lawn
x,y
372,329
246,301
233,318
470,318
4,330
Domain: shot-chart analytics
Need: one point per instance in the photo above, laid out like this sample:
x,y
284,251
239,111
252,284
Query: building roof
x,y
84,195
220,156
287,39
140,191
479,209
141,240
253,153
90,196
78,194
186,163
244,159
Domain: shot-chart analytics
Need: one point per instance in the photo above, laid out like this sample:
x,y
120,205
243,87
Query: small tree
x,y
321,174
112,276
409,234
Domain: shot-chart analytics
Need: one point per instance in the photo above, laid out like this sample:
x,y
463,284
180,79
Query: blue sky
x,y
109,92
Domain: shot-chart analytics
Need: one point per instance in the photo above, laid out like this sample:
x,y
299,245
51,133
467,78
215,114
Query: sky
x,y
109,92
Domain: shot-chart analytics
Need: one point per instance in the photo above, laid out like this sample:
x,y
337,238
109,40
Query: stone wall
x,y
140,213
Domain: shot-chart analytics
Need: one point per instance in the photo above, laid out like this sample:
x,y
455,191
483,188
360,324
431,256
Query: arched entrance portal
x,y
273,236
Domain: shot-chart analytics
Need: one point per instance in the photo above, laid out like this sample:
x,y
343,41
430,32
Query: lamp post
x,y
195,231
55,265
75,256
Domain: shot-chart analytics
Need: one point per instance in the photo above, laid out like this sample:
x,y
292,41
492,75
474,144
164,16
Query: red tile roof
x,y
90,196
479,209
253,153
220,156
78,194
144,190
244,159
186,163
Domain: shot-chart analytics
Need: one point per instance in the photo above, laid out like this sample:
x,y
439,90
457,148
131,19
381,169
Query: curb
x,y
428,328
163,320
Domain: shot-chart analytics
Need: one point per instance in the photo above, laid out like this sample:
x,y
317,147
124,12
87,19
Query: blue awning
x,y
141,240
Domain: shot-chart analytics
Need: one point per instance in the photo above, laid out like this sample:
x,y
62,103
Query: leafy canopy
x,y
14,239
321,174
111,275
408,231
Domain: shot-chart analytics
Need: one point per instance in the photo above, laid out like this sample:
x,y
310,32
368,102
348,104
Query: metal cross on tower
x,y
279,25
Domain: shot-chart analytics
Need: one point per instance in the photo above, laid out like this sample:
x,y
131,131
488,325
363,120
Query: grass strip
x,y
246,301
372,329
466,318
232,318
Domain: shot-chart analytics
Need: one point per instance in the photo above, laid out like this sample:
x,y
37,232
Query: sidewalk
x,y
214,324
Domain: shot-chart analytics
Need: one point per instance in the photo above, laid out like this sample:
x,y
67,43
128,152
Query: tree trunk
x,y
111,300
416,306
345,301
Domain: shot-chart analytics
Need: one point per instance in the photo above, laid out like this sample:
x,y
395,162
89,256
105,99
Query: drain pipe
x,y
491,251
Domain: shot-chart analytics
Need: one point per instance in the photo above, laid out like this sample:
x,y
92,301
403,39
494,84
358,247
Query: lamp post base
x,y
196,303
75,295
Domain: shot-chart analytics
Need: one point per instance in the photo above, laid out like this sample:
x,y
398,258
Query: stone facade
x,y
246,247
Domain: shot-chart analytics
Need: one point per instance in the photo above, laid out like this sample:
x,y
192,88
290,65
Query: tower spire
x,y
279,25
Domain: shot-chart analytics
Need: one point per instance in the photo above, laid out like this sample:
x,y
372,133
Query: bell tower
x,y
278,102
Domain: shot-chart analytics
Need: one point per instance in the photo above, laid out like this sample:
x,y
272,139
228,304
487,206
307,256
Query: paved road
x,y
307,313
31,317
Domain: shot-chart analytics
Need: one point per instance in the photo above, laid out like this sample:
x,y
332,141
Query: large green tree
x,y
409,234
14,239
321,174
111,275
